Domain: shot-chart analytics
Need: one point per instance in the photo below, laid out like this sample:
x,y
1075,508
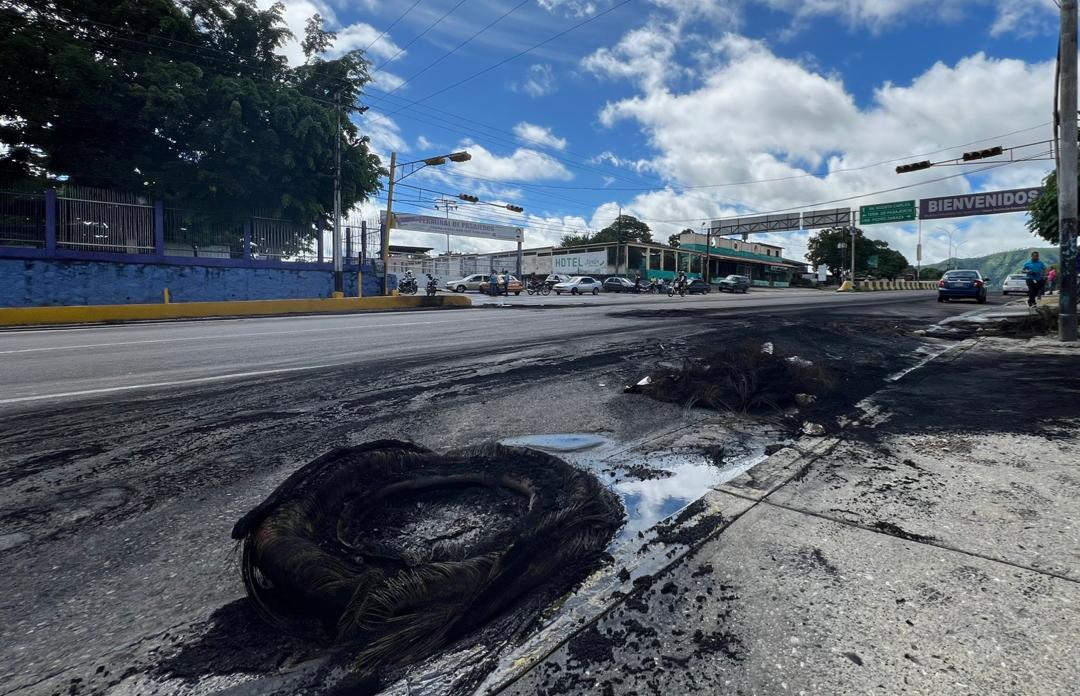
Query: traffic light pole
x,y
1066,173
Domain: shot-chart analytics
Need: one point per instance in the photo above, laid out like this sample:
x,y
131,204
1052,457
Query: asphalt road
x,y
128,452
66,364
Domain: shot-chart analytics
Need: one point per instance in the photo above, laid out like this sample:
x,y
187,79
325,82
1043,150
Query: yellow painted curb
x,y
28,316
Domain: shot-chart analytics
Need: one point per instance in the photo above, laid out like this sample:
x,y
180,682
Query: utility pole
x,y
618,239
1066,173
918,254
388,225
853,250
339,282
446,205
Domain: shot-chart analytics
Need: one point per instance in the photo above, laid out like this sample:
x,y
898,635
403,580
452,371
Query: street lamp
x,y
413,167
949,233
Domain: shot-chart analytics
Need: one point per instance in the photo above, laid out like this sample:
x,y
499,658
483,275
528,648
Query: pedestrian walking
x,y
1035,275
1051,280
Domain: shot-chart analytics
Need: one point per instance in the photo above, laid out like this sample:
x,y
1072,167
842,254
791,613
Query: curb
x,y
92,314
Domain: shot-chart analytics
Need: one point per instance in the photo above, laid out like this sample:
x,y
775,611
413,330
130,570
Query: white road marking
x,y
212,337
175,383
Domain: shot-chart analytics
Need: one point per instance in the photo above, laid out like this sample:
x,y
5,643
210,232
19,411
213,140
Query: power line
x,y
455,49
418,36
517,55
392,25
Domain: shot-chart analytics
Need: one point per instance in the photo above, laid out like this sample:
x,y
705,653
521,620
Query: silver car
x,y
578,285
467,283
1014,283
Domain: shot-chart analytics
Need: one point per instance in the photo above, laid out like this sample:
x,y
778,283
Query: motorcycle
x,y
538,288
679,288
432,285
407,286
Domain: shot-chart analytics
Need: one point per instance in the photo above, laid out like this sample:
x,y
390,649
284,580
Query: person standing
x,y
506,282
1051,280
1035,275
493,283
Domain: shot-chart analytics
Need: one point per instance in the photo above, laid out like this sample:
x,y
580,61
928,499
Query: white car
x,y
1014,283
467,283
578,285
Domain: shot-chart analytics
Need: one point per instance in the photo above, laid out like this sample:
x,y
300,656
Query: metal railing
x,y
84,219
22,218
194,234
282,240
99,220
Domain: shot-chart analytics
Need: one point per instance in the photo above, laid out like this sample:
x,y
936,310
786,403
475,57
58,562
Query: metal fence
x,y
22,218
282,240
90,219
191,233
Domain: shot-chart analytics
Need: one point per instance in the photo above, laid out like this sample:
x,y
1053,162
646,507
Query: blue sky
x,y
660,106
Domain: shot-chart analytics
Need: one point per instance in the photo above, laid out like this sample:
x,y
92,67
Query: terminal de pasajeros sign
x,y
580,263
460,228
1011,201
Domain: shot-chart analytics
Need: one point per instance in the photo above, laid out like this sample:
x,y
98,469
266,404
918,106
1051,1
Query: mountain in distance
x,y
997,266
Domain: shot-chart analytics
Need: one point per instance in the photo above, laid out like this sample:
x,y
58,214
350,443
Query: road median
x,y
96,314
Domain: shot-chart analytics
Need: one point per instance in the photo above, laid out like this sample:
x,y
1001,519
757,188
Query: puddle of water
x,y
652,486
561,442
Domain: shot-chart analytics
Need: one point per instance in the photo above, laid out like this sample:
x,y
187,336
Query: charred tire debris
x,y
741,377
333,553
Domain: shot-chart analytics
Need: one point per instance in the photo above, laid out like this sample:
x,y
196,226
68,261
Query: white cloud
x,y
523,164
754,115
539,81
384,132
539,135
572,8
1023,17
359,36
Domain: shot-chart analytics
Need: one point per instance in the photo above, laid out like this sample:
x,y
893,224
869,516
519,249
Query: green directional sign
x,y
900,211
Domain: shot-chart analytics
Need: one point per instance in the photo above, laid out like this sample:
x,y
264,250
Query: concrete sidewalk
x,y
932,548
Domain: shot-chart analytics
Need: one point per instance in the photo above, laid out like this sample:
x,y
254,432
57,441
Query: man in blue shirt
x,y
1035,272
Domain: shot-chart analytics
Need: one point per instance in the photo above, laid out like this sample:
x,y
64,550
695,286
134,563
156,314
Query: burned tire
x,y
391,552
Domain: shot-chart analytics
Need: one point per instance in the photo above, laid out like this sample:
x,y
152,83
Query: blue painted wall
x,y
35,283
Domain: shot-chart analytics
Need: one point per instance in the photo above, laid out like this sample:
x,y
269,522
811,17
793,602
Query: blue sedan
x,y
955,285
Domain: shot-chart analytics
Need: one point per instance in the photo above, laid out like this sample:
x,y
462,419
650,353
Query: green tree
x,y
1043,211
573,240
890,262
824,248
673,240
625,228
184,99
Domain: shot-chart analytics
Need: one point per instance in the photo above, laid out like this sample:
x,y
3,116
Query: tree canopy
x,y
183,99
823,249
1043,211
625,228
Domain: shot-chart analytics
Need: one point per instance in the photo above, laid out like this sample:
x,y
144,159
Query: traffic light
x,y
468,197
981,154
514,208
914,167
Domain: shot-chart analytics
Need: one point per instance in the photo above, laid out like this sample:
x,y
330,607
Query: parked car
x,y
555,278
1014,283
615,284
733,284
467,283
578,285
697,286
961,284
515,286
